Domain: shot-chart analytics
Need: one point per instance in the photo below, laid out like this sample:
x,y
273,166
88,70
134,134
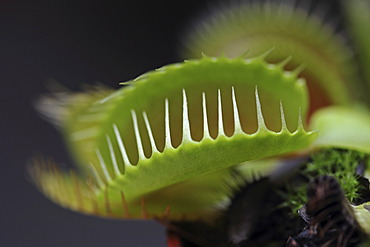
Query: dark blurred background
x,y
72,42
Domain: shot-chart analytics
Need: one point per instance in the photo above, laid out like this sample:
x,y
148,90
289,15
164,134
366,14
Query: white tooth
x,y
150,133
87,118
61,183
282,116
284,62
140,148
113,156
97,177
84,134
103,165
237,124
186,135
265,54
260,119
205,118
300,122
168,143
220,122
121,146
298,70
76,191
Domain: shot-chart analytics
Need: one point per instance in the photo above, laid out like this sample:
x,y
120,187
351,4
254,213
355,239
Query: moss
x,y
344,165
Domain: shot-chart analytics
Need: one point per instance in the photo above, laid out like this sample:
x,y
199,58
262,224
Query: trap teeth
x,y
173,131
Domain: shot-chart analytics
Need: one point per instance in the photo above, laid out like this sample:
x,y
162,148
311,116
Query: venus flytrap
x,y
157,147
168,145
256,26
330,68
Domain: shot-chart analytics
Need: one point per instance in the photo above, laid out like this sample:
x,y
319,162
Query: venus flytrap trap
x,y
167,135
187,143
256,26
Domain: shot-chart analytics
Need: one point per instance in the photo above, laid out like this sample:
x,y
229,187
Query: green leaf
x,y
362,213
341,127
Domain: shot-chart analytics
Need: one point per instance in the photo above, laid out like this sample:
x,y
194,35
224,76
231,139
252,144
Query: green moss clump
x,y
344,165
